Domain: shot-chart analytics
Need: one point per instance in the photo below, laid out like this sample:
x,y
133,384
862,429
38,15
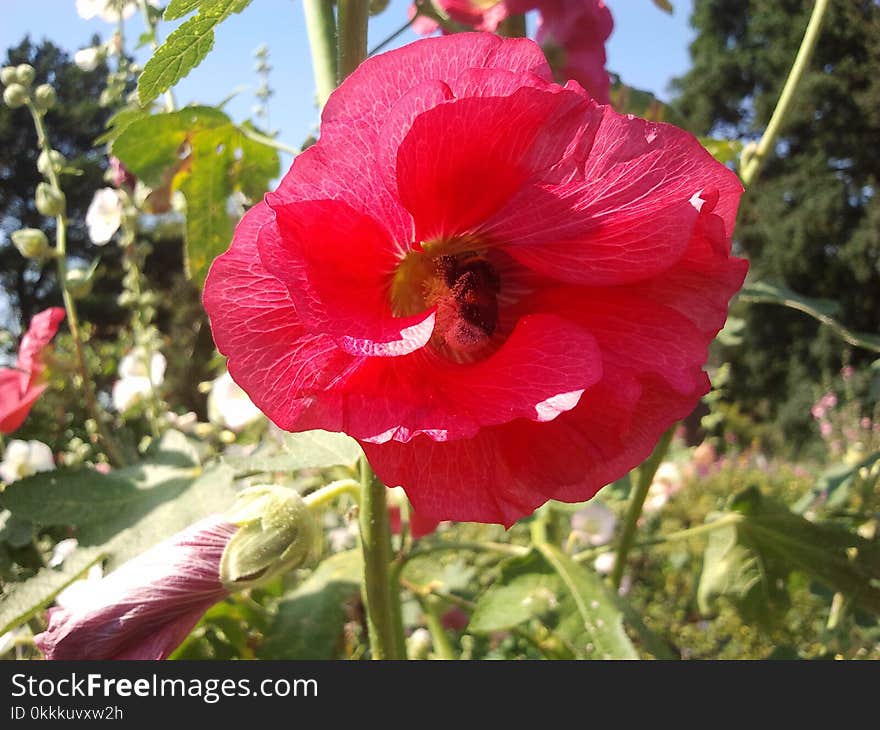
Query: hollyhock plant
x,y
23,458
104,216
20,386
145,608
502,289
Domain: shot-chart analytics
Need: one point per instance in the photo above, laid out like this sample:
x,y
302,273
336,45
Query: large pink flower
x,y
145,608
504,291
20,386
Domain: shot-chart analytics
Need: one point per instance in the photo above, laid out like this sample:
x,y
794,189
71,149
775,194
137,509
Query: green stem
x,y
321,29
752,165
680,535
384,619
353,17
637,501
442,646
113,451
270,141
321,497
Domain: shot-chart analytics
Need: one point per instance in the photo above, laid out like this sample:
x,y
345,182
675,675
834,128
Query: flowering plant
x,y
462,347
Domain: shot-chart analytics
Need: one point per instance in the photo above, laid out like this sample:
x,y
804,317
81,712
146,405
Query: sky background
x,y
648,48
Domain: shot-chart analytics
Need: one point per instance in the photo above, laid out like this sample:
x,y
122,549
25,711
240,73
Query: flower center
x,y
462,286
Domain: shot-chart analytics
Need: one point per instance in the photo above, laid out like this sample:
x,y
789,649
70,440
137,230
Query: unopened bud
x,y
24,74
276,534
31,242
79,282
15,95
378,6
54,160
44,97
49,201
7,75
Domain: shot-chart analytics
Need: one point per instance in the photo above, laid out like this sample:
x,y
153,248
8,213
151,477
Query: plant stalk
x,y
352,20
321,29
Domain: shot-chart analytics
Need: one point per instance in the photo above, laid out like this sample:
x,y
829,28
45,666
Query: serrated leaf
x,y
23,600
310,618
186,47
824,310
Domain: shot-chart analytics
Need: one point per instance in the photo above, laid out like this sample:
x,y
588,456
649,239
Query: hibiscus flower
x,y
503,290
20,386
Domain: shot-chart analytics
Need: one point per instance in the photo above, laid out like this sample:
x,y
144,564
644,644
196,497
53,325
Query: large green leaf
x,y
23,600
200,151
186,47
823,310
310,618
833,485
752,555
305,450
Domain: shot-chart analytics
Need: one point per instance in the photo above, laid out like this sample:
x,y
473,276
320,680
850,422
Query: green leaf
x,y
23,600
15,531
186,47
833,484
768,541
823,310
528,588
629,100
310,618
304,450
596,630
723,150
202,152
664,5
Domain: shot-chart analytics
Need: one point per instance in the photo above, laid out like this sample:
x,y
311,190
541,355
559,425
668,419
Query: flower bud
x,y
31,242
378,6
7,75
79,281
50,201
44,98
276,534
54,160
24,74
15,95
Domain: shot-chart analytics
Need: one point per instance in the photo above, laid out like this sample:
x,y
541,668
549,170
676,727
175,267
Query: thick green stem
x,y
384,619
353,18
321,28
637,501
60,254
753,163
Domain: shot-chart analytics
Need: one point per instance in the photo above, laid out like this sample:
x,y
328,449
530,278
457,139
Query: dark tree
x,y
812,218
74,124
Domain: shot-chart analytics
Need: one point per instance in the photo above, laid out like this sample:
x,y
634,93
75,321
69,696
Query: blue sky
x,y
648,48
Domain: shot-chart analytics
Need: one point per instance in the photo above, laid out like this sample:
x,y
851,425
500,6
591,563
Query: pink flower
x,y
825,428
22,385
477,14
575,31
145,608
503,290
120,175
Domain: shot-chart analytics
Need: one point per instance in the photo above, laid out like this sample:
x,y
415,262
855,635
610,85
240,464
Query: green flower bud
x,y
7,75
79,282
15,95
25,74
50,201
378,6
31,243
276,534
46,162
44,97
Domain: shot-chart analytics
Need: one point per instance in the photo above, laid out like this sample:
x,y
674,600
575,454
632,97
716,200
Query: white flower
x,y
108,10
229,405
594,523
667,481
81,591
87,58
23,458
136,380
604,563
104,215
62,551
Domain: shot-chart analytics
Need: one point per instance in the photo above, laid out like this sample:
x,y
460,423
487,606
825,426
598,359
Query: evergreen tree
x,y
812,218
